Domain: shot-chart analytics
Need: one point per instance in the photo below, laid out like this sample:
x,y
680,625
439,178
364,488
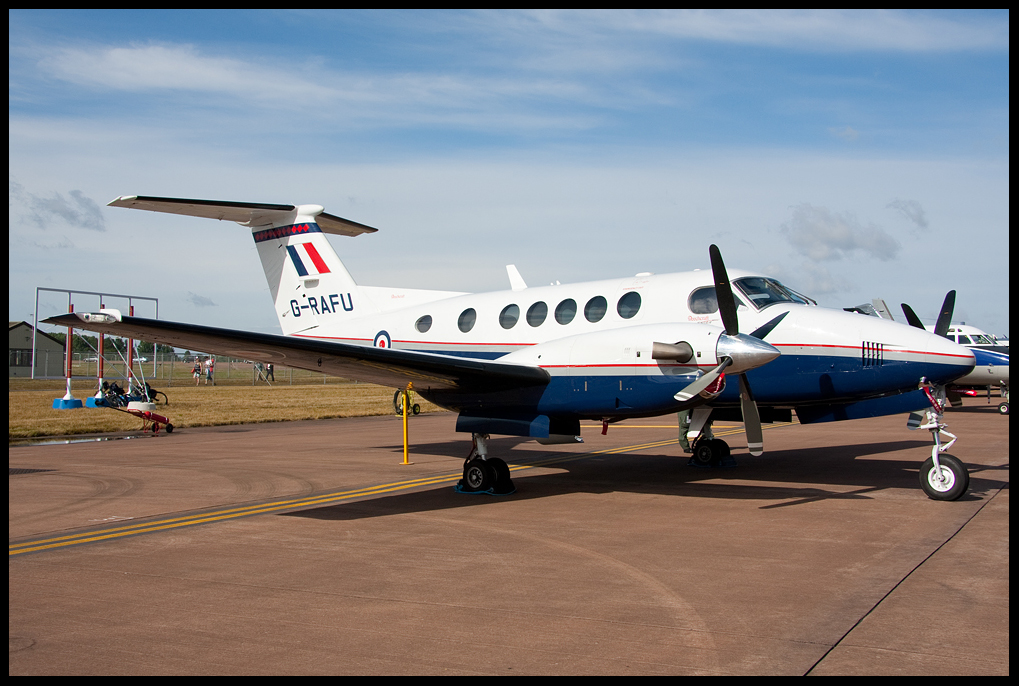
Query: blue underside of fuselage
x,y
788,381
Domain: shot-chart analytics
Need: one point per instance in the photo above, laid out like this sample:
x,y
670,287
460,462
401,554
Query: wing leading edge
x,y
386,367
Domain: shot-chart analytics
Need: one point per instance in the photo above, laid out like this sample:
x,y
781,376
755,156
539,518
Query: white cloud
x,y
199,300
846,133
911,210
827,30
79,211
823,235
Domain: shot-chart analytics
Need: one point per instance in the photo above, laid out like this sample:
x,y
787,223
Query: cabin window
x,y
595,309
509,316
703,301
423,323
628,305
467,319
536,313
566,311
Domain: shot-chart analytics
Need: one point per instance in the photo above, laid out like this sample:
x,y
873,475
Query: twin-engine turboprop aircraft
x,y
533,362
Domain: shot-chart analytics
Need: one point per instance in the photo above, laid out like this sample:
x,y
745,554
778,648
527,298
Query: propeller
x,y
736,350
941,329
944,316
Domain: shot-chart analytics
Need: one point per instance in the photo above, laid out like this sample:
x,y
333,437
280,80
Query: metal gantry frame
x,y
70,308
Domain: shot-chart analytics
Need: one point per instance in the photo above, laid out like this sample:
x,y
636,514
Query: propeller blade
x,y
723,292
751,417
767,328
911,317
945,316
703,382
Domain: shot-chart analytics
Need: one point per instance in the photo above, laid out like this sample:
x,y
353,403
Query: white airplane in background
x,y
533,362
990,360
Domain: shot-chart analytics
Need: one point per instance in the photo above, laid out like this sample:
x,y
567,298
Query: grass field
x,y
31,415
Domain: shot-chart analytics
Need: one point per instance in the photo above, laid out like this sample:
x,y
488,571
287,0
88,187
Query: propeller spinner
x,y
738,351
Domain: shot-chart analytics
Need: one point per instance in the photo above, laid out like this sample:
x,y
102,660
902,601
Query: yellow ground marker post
x,y
406,410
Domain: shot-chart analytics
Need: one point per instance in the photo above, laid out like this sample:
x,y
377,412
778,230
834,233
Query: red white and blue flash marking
x,y
318,264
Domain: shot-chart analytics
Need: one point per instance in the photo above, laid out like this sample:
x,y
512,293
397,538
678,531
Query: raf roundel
x,y
382,340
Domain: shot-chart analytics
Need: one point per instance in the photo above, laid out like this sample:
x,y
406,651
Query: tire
x,y
956,478
703,454
478,476
1003,408
415,408
720,449
169,428
502,482
398,402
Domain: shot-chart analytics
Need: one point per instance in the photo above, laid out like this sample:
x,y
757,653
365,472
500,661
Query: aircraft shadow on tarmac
x,y
779,479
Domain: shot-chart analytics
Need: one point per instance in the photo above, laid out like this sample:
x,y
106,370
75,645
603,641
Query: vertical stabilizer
x,y
310,287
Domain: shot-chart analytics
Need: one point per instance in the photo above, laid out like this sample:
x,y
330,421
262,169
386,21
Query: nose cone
x,y
946,361
745,351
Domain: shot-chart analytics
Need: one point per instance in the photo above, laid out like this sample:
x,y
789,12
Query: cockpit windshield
x,y
763,292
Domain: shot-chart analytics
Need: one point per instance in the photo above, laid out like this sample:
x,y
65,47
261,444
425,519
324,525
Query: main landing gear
x,y
696,438
483,474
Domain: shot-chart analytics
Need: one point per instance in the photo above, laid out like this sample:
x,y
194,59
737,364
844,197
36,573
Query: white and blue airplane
x,y
535,361
990,360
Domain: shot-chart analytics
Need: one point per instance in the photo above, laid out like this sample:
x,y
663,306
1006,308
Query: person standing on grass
x,y
208,371
196,371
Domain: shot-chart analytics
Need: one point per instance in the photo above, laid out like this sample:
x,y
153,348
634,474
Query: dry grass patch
x,y
31,413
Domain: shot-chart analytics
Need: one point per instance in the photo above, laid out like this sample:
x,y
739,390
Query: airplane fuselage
x,y
596,340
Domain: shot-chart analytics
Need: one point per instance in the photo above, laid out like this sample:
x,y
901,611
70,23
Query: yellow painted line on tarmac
x,y
312,501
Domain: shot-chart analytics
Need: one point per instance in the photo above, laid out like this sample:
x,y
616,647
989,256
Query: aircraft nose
x,y
948,360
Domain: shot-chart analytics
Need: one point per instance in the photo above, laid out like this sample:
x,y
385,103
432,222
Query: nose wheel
x,y
947,479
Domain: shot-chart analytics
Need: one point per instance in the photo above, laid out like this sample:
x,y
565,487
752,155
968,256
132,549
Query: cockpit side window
x,y
704,301
763,292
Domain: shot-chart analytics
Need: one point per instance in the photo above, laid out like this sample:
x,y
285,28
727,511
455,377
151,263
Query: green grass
x,y
31,415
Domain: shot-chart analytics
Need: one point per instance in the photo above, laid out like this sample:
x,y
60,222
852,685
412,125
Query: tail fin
x,y
309,284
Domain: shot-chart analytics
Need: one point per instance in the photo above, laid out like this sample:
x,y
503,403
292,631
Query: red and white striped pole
x,y
68,401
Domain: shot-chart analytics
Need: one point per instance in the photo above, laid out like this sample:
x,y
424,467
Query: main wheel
x,y
478,475
703,453
502,482
954,481
1003,408
720,449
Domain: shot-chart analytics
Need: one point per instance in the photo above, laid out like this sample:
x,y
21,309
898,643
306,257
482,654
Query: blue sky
x,y
852,154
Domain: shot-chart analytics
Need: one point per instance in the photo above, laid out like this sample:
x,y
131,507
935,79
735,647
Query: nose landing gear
x,y
942,476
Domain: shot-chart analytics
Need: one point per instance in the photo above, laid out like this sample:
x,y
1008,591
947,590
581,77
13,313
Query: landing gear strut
x,y
942,476
696,438
483,474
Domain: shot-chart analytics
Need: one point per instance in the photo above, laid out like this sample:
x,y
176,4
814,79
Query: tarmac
x,y
307,548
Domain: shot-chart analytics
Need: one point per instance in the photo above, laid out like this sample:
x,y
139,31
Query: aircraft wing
x,y
387,367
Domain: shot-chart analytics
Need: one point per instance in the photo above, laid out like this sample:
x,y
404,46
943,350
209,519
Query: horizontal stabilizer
x,y
384,366
252,214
